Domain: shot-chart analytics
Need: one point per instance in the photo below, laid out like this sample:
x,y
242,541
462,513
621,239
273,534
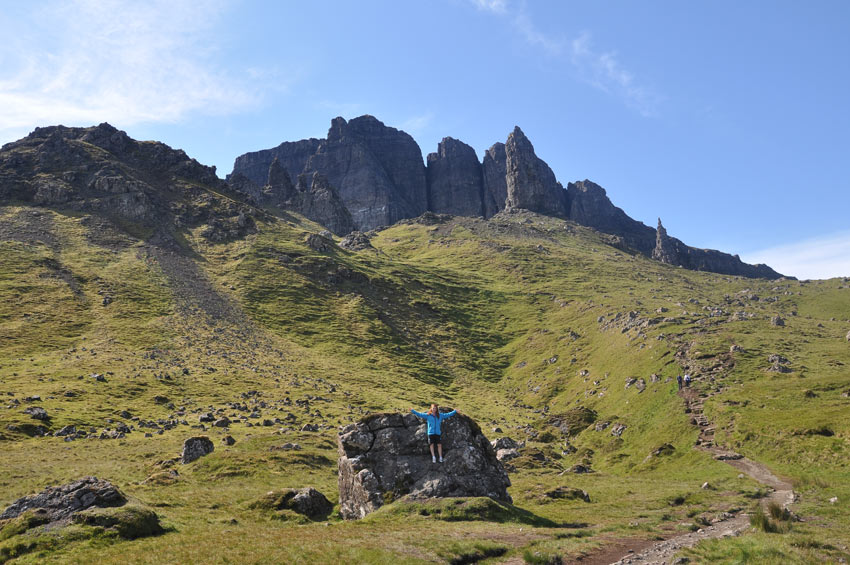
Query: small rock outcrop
x,y
385,456
59,502
196,447
305,501
531,184
356,241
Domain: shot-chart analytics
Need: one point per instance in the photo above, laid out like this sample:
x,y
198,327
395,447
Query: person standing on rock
x,y
433,418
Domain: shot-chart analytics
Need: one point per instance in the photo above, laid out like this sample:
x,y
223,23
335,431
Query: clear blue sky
x,y
728,119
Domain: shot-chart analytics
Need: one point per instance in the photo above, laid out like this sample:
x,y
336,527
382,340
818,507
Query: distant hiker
x,y
687,380
433,418
679,381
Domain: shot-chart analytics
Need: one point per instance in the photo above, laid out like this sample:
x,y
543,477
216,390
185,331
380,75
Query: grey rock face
x,y
279,184
385,456
665,251
494,172
455,183
196,447
590,206
317,200
531,184
59,502
292,155
377,170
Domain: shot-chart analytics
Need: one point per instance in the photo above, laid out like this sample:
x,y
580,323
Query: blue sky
x,y
727,119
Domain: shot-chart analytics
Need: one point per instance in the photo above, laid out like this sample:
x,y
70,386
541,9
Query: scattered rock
x,y
736,349
37,412
385,456
567,493
228,440
195,448
317,243
310,428
306,501
706,486
506,454
222,422
356,241
664,449
618,429
777,321
504,443
59,502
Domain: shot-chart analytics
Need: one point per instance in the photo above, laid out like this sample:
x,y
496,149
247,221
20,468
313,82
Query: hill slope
x,y
537,326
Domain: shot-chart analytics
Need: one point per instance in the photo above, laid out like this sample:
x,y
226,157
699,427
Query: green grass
x,y
496,318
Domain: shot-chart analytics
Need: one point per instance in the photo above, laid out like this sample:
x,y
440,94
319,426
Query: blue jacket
x,y
434,421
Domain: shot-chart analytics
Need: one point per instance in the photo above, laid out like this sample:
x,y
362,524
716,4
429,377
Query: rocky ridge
x,y
379,175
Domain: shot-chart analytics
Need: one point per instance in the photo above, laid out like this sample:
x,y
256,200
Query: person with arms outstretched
x,y
433,418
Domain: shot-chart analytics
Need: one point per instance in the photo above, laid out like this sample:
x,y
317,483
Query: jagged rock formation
x,y
102,170
455,182
316,199
531,184
385,456
378,173
590,206
292,155
377,170
495,171
665,251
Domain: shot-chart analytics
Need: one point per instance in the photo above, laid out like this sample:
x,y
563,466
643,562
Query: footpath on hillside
x,y
662,553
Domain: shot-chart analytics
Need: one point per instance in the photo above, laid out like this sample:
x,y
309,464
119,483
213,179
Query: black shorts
x,y
434,438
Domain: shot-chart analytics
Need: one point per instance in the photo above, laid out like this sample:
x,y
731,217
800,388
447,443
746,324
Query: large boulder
x,y
58,502
385,456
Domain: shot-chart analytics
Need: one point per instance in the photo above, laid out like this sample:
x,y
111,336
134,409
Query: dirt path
x,y
663,552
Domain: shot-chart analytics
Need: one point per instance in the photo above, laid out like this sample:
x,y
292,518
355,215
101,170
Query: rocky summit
x,y
378,175
386,456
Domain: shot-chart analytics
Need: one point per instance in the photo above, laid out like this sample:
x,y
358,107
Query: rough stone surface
x,y
385,456
292,155
494,173
455,184
664,250
590,206
37,412
317,200
356,241
531,184
196,447
377,170
59,502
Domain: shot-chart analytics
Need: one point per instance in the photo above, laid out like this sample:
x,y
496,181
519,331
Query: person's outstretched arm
x,y
448,415
420,414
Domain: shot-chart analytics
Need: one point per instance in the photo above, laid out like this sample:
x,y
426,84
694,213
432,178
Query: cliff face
x,y
292,155
378,174
590,206
455,184
495,172
531,184
377,170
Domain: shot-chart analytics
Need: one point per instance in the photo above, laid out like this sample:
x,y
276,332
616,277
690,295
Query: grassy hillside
x,y
533,325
